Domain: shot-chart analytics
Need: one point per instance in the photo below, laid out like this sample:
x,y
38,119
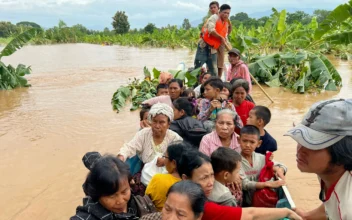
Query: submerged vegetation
x,y
11,77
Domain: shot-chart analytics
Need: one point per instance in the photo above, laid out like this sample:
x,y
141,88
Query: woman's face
x,y
178,113
313,161
233,58
178,207
205,78
225,126
204,176
239,95
160,124
117,202
175,90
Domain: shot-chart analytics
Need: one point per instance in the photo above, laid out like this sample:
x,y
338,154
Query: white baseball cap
x,y
326,123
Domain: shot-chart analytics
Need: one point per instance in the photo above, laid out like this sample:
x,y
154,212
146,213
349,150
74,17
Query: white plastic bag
x,y
150,169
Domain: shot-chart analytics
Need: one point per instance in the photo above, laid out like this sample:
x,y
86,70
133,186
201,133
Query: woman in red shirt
x,y
196,166
239,92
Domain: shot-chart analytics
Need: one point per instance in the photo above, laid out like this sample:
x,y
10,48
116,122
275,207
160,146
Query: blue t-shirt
x,y
268,144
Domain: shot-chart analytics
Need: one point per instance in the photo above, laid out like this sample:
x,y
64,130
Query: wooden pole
x,y
256,82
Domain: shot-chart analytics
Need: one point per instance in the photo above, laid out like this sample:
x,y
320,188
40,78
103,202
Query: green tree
x,y
240,17
28,24
321,14
149,28
299,16
120,23
7,29
186,25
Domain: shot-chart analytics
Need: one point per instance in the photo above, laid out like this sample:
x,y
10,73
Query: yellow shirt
x,y
158,187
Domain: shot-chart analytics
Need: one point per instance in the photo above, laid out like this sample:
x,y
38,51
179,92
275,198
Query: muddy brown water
x,y
46,129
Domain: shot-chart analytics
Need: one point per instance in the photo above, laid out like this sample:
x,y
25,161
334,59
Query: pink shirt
x,y
211,142
159,99
239,70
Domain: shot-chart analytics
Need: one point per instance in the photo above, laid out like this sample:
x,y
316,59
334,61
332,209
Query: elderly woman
x,y
150,141
224,134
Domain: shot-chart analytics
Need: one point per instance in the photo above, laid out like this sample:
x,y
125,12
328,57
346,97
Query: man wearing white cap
x,y
325,147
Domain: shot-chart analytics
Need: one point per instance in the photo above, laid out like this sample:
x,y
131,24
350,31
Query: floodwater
x,y
46,129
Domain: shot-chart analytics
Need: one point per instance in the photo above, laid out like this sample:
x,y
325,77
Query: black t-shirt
x,y
268,144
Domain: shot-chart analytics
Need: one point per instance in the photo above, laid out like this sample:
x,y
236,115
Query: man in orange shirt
x,y
214,35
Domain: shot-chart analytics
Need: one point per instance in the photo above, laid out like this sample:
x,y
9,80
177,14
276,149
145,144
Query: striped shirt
x,y
211,142
338,199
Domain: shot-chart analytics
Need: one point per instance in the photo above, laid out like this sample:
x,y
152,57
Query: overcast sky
x,y
96,14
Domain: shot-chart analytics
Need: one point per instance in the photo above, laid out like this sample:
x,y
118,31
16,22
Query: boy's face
x,y
252,118
162,92
234,176
214,9
249,142
210,92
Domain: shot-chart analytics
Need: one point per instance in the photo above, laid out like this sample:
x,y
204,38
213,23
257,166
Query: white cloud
x,y
189,5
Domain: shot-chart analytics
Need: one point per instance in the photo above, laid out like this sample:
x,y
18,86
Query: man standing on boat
x,y
325,148
213,37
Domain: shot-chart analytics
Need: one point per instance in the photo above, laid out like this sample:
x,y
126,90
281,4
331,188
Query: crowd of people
x,y
200,152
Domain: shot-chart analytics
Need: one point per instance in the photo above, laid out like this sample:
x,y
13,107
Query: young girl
x,y
143,115
239,92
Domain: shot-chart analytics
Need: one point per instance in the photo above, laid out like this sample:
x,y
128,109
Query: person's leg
x,y
221,60
212,64
201,56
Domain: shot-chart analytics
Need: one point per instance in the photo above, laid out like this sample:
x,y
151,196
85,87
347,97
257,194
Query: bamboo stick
x,y
288,196
256,82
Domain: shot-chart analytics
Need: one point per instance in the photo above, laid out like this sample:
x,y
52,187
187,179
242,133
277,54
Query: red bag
x,y
266,197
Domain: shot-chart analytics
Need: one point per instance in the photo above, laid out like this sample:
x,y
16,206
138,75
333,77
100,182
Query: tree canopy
x,y
120,22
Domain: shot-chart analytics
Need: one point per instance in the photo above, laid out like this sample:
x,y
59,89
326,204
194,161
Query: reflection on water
x,y
46,129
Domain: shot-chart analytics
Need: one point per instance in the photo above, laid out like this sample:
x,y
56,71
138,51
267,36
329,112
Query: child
x,y
189,93
226,164
260,116
252,164
239,92
162,89
226,91
204,78
143,115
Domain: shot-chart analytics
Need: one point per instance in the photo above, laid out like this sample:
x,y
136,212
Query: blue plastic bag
x,y
135,164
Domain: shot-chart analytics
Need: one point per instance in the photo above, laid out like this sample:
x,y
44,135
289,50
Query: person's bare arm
x,y
268,214
315,214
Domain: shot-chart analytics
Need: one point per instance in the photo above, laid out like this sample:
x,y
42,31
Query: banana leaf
x,y
281,26
340,38
19,41
334,19
156,73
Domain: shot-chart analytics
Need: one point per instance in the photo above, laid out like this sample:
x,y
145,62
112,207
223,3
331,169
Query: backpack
x,y
144,205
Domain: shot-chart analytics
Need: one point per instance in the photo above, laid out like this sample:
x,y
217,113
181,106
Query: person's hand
x,y
302,213
223,40
145,123
229,105
275,184
280,172
214,104
271,158
121,157
294,215
160,162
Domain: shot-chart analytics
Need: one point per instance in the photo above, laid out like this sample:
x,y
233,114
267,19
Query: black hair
x,y
105,176
214,3
234,80
341,153
189,91
194,192
175,151
161,86
191,160
224,7
202,91
178,81
183,103
262,112
214,82
225,159
228,86
240,83
141,113
251,130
